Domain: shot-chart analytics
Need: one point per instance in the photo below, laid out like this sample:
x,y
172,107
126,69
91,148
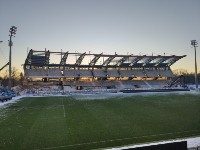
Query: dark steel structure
x,y
40,59
97,71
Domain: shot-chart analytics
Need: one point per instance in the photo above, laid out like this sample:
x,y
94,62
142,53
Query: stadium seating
x,y
126,73
166,73
131,84
43,73
151,73
54,73
99,73
84,73
69,73
36,73
113,73
132,73
139,73
157,83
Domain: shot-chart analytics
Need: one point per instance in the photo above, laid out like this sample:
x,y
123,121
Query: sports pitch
x,y
69,123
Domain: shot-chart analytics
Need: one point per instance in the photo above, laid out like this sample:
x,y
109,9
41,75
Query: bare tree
x,y
15,77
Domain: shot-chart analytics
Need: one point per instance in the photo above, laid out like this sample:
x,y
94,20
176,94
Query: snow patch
x,y
14,100
191,143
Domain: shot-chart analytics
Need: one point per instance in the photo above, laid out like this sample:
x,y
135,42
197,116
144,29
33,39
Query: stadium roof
x,y
41,58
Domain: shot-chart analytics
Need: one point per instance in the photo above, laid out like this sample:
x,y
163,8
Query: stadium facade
x,y
99,71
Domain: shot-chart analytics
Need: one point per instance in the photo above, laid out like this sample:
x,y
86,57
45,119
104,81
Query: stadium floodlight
x,y
12,31
194,44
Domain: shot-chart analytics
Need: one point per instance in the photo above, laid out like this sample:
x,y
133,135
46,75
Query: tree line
x,y
17,78
189,77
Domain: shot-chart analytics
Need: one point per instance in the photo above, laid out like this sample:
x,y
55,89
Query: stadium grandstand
x,y
89,71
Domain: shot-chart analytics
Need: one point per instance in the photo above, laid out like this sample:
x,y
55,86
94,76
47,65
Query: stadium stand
x,y
116,72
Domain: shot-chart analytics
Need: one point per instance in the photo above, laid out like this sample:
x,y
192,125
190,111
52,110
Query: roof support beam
x,y
122,60
135,60
95,59
80,59
64,58
107,61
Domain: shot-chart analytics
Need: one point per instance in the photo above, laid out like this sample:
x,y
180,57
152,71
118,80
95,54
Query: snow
x,y
99,96
191,143
14,100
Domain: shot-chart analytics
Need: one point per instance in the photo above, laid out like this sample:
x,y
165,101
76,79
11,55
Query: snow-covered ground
x,y
14,100
99,96
192,142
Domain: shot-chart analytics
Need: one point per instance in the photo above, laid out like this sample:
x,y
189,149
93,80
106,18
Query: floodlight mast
x,y
12,31
194,44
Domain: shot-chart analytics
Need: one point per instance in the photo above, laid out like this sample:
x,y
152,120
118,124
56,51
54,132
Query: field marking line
x,y
64,114
120,139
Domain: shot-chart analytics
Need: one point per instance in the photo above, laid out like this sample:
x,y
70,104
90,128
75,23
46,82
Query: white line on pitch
x,y
63,108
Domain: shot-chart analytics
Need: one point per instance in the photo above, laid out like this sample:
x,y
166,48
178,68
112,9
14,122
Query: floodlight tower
x,y
194,43
12,31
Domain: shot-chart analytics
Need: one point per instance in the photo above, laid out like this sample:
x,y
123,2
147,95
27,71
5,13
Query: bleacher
x,y
36,73
157,83
165,73
113,73
126,73
41,73
70,73
99,73
151,73
54,73
84,73
139,73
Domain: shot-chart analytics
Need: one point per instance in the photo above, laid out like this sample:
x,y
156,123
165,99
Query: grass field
x,y
68,123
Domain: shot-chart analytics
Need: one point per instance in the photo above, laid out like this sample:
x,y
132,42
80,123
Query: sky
x,y
136,27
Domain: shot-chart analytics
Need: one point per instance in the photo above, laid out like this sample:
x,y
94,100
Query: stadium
x,y
99,75
100,101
